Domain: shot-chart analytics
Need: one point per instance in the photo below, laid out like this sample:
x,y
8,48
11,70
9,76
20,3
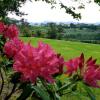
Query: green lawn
x,y
69,50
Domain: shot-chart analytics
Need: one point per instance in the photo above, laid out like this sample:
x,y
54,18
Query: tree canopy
x,y
7,6
13,6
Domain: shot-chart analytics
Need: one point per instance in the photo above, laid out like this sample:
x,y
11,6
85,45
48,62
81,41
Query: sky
x,y
42,12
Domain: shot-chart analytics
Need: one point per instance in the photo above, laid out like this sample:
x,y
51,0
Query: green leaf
x,y
74,87
1,43
58,84
66,86
89,92
42,93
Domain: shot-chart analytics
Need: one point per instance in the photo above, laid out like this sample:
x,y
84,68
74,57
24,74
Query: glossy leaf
x,y
42,93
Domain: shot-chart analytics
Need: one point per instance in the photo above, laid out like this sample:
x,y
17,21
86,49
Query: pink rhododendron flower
x,y
89,70
37,62
11,32
92,73
92,76
2,27
24,63
51,63
72,65
12,47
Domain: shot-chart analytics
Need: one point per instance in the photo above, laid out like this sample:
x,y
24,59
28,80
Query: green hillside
x,y
69,49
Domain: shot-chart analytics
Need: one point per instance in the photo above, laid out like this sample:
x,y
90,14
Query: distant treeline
x,y
75,32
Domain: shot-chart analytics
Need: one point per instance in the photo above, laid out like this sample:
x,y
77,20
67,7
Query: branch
x,y
2,85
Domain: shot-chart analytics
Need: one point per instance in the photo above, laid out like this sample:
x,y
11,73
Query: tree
x,y
52,32
7,6
72,25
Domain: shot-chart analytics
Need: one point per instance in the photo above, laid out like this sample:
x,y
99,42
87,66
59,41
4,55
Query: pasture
x,y
69,49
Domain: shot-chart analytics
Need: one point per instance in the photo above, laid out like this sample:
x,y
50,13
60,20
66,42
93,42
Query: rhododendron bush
x,y
36,72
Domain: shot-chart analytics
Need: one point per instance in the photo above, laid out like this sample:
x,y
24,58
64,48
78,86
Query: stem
x,y
13,89
2,85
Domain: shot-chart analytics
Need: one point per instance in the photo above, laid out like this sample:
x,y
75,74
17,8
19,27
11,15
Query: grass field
x,y
69,50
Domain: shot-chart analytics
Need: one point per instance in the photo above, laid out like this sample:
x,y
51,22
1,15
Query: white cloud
x,y
40,11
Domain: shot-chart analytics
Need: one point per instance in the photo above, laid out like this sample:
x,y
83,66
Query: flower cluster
x,y
12,47
37,62
9,31
13,30
88,70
